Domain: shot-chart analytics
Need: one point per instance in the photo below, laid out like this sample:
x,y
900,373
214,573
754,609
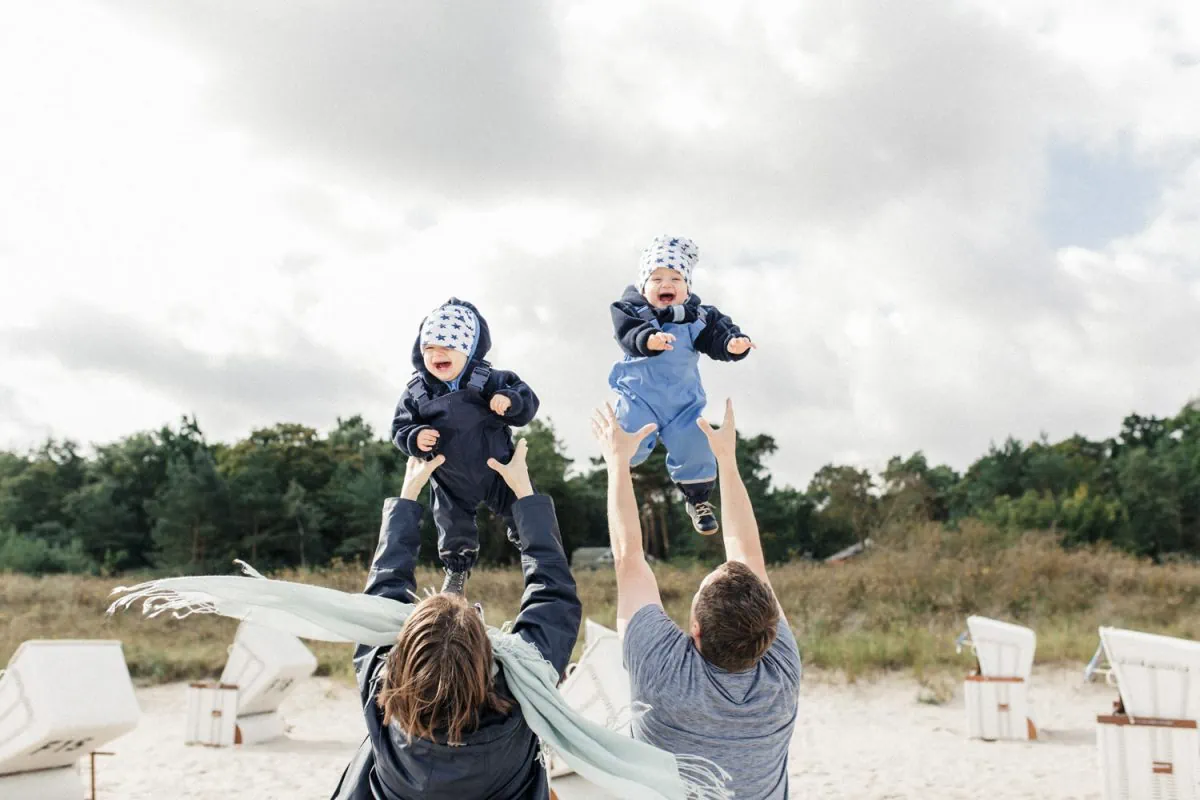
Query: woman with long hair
x,y
441,720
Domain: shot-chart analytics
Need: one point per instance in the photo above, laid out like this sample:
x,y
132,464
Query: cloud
x,y
912,209
299,381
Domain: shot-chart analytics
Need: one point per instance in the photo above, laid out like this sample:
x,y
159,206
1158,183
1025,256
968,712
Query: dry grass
x,y
897,608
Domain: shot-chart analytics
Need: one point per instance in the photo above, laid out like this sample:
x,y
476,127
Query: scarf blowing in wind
x,y
613,761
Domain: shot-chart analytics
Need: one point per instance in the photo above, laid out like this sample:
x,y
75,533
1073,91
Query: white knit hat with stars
x,y
450,326
673,252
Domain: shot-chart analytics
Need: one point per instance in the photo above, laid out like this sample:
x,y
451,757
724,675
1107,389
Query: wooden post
x,y
92,756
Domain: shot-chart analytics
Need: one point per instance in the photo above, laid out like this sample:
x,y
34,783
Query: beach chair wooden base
x,y
998,709
211,714
1144,757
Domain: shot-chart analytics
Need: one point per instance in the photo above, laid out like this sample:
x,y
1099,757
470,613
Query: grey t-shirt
x,y
741,720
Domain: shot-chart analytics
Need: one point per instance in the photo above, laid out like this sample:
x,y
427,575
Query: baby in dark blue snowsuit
x,y
663,329
459,406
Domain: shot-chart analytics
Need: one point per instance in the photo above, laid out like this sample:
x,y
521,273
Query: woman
x,y
441,721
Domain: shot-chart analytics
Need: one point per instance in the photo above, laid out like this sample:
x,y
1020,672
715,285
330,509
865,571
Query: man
x,y
728,688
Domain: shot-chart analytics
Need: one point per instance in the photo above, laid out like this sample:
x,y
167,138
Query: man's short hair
x,y
738,617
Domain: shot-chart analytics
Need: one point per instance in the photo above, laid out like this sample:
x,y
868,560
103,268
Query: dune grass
x,y
897,608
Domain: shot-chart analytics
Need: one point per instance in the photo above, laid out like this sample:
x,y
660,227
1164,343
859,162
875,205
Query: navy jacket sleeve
x,y
550,608
631,331
406,424
392,569
714,339
524,402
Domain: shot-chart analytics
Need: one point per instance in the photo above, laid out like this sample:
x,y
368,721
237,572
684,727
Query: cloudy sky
x,y
943,222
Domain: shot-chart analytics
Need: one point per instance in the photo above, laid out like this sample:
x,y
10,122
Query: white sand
x,y
871,740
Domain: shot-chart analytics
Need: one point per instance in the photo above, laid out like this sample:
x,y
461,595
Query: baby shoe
x,y
704,518
455,582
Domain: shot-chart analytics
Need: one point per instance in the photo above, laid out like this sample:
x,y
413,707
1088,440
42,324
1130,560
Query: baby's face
x,y
665,287
443,363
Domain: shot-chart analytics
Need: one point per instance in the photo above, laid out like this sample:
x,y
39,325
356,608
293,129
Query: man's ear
x,y
695,630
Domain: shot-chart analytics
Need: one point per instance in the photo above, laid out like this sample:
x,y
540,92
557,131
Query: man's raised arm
x,y
738,524
636,586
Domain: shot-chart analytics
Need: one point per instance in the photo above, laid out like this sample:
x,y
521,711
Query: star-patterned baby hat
x,y
452,326
673,252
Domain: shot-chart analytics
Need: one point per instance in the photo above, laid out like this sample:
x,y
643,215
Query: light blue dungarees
x,y
665,389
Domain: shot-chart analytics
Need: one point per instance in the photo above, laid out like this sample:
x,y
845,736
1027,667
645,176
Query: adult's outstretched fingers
x,y
728,412
646,430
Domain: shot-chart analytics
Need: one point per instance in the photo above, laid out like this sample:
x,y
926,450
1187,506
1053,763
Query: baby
x,y
663,329
457,405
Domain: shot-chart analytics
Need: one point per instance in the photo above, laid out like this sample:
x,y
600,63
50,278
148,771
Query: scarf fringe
x,y
156,600
703,779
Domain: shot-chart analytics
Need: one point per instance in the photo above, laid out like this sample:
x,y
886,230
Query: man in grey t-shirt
x,y
728,688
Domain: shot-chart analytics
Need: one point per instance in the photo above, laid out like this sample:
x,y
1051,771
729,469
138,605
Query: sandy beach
x,y
873,739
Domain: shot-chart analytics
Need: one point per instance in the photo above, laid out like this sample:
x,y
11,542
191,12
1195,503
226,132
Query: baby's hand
x,y
660,341
740,345
501,404
427,439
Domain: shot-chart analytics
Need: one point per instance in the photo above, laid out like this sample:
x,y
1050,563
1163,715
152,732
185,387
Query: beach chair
x,y
264,664
1149,744
996,693
597,686
60,701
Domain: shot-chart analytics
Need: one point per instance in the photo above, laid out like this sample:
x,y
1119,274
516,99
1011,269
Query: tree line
x,y
172,501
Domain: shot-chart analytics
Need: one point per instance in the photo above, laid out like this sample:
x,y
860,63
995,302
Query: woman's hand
x,y
515,472
416,475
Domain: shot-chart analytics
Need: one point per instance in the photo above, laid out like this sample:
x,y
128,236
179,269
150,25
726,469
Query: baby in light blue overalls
x,y
663,329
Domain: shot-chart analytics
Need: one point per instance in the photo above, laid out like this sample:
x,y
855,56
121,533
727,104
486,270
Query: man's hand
x,y
617,446
660,341
724,440
500,404
427,440
740,345
515,472
416,475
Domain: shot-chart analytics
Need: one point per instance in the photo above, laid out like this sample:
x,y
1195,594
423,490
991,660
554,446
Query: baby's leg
x,y
690,459
458,538
634,414
693,467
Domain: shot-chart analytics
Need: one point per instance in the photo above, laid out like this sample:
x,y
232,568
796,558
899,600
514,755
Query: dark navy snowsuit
x,y
470,434
499,759
663,386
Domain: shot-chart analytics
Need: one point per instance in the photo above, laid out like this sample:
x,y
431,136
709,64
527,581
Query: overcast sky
x,y
943,222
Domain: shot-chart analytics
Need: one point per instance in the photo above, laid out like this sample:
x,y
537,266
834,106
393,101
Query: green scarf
x,y
613,761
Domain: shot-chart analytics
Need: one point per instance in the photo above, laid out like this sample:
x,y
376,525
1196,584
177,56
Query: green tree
x,y
307,518
188,511
847,508
106,528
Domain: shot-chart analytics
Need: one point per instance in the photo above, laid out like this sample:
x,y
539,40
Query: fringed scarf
x,y
613,761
